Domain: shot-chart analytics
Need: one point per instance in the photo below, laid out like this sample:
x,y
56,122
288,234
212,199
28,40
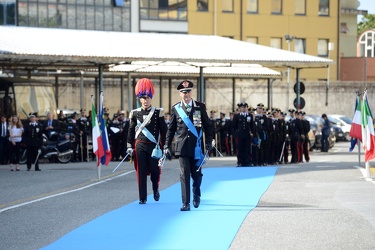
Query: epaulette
x,y
131,112
161,112
175,104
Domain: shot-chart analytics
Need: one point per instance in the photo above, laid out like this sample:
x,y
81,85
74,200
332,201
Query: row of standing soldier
x,y
260,138
81,128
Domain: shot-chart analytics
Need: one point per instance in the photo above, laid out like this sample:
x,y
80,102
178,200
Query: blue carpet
x,y
228,195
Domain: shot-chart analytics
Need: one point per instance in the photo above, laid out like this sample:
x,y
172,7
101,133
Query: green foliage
x,y
367,22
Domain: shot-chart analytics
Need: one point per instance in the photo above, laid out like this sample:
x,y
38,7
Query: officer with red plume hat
x,y
146,137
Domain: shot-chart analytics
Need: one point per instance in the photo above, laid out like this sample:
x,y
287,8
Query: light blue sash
x,y
198,155
147,133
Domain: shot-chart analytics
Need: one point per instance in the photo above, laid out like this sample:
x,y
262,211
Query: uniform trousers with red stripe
x,y
146,165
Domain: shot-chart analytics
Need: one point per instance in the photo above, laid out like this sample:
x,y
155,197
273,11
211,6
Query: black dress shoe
x,y
196,201
38,169
156,195
142,201
185,207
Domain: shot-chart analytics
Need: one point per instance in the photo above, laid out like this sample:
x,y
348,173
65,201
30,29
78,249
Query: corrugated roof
x,y
46,47
183,69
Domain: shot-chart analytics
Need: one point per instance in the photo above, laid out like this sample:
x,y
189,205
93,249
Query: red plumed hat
x,y
144,87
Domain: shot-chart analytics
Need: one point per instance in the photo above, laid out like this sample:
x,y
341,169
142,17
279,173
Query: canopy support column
x,y
130,101
234,94
122,92
201,93
298,90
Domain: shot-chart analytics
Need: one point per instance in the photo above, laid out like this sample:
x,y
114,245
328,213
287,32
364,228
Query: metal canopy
x,y
176,69
25,47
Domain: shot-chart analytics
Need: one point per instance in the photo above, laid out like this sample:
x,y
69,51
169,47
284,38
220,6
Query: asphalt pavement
x,y
323,204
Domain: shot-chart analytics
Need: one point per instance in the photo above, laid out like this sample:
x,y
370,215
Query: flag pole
x,y
367,174
99,170
359,152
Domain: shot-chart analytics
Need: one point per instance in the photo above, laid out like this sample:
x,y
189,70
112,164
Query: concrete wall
x,y
341,95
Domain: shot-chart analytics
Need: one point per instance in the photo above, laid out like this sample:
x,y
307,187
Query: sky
x,y
368,5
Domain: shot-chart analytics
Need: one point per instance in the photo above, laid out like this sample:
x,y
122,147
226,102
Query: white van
x,y
344,122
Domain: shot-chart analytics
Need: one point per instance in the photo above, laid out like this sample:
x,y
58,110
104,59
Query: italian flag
x,y
97,143
368,135
356,127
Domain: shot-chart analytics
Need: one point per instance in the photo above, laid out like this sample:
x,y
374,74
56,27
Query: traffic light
x,y
301,100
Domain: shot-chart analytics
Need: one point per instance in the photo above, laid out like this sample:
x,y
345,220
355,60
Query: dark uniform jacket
x,y
185,139
243,124
33,135
84,125
154,126
306,126
295,129
261,126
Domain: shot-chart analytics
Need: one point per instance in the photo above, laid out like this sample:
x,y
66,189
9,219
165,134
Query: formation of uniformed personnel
x,y
188,121
33,135
84,126
146,137
243,124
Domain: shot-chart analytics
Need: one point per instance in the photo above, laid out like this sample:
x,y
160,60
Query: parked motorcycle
x,y
57,147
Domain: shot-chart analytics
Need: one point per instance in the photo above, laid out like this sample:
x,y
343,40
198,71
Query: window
x,y
163,9
323,7
74,14
323,47
300,7
8,12
202,5
276,6
252,6
300,45
276,43
252,40
344,28
227,5
367,44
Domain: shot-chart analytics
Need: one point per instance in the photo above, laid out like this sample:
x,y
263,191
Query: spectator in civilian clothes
x,y
15,138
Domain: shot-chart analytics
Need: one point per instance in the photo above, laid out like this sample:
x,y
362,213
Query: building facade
x,y
324,28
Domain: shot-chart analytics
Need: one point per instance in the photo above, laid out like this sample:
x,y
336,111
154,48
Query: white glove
x,y
39,151
129,151
167,152
213,143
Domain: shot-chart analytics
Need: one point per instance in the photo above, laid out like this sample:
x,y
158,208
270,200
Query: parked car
x,y
340,135
342,121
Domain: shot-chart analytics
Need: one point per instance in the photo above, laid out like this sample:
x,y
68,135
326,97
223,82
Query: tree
x,y
367,23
